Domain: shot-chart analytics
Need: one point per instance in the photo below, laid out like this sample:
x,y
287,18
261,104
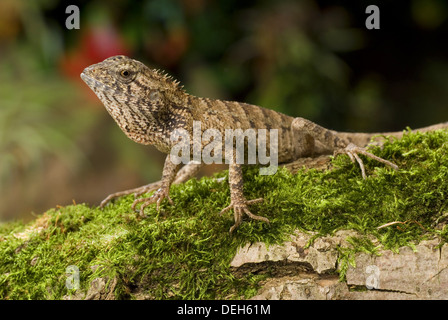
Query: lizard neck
x,y
152,124
176,114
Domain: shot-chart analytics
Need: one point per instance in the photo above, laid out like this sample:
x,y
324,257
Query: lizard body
x,y
149,106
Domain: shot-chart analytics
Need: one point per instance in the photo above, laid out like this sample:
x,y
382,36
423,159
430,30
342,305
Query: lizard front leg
x,y
238,202
168,174
306,130
185,173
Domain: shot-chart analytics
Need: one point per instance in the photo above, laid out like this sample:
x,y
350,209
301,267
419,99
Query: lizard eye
x,y
125,73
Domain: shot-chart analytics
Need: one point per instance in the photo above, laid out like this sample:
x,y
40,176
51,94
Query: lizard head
x,y
137,97
122,74
123,77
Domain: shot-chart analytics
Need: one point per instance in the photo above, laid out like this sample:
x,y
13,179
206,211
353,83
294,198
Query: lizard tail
x,y
363,139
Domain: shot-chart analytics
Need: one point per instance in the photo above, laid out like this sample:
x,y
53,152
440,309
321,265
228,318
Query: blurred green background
x,y
309,58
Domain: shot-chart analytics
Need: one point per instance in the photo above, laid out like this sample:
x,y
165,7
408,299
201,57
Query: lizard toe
x,y
156,198
240,209
353,151
136,191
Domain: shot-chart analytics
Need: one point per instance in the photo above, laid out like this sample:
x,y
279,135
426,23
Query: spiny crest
x,y
152,77
168,80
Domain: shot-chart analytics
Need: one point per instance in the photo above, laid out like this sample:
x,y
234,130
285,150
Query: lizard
x,y
149,105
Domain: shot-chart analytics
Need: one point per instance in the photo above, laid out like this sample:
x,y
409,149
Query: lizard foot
x,y
136,191
239,209
353,150
157,198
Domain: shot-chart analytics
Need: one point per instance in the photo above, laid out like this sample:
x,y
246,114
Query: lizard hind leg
x,y
330,141
352,151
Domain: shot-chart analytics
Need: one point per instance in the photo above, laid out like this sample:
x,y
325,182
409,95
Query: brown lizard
x,y
149,106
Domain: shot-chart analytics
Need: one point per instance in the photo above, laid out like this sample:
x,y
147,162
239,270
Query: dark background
x,y
314,59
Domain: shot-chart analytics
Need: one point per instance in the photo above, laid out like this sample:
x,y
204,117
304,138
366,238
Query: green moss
x,y
184,251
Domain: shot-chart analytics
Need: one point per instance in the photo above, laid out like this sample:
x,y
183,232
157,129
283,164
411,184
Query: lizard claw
x,y
136,191
157,197
239,209
353,150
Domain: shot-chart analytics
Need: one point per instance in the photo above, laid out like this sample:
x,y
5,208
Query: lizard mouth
x,y
93,83
96,85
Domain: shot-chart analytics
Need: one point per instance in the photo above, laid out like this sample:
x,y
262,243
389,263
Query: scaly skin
x,y
149,106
